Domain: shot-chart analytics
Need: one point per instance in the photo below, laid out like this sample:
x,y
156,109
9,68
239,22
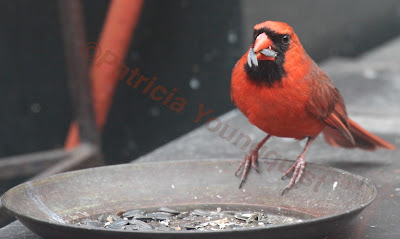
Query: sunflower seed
x,y
144,217
169,210
140,224
162,215
252,58
102,218
269,52
131,227
118,224
133,213
202,213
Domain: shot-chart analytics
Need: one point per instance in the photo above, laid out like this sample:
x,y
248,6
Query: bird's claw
x,y
251,158
236,173
284,190
255,167
297,168
241,183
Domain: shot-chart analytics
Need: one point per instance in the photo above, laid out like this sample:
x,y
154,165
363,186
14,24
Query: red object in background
x,y
120,23
282,91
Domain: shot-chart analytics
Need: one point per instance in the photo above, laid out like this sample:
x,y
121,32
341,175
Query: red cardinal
x,y
282,91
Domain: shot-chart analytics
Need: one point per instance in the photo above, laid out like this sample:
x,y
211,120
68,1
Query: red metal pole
x,y
121,20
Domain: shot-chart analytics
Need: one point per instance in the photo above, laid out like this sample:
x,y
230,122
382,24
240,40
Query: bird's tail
x,y
363,139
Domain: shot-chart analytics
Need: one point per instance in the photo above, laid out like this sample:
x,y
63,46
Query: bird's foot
x,y
297,168
250,158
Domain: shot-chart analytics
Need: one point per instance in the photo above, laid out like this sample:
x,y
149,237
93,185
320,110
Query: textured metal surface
x,y
47,205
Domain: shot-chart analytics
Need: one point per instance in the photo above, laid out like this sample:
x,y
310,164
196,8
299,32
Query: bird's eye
x,y
285,39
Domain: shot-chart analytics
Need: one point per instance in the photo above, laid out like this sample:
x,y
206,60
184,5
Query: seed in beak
x,y
252,58
269,53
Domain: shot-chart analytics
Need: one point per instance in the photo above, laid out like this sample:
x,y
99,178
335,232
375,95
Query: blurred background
x,y
188,45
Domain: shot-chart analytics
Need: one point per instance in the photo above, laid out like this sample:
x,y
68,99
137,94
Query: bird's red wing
x,y
327,104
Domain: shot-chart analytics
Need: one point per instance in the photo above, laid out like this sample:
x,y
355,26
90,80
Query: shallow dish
x,y
326,198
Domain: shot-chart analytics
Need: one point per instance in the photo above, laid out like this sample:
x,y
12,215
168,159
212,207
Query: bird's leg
x,y
251,157
298,167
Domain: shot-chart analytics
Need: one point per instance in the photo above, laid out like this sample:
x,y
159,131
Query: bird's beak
x,y
263,48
